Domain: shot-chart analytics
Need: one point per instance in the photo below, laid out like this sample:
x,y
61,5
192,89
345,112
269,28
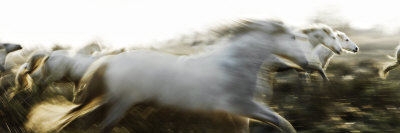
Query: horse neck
x,y
245,55
324,54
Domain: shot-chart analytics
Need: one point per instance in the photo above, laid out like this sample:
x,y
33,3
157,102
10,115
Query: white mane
x,y
207,41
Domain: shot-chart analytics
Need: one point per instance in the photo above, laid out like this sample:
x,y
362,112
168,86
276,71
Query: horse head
x,y
27,74
320,33
346,43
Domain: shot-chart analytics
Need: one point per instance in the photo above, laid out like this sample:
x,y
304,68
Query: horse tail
x,y
90,87
92,95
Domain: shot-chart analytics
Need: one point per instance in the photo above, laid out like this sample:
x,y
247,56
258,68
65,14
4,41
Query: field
x,y
355,100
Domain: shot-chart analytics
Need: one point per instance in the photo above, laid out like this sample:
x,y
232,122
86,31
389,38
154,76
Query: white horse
x,y
43,69
316,35
6,48
318,61
385,71
320,34
320,55
221,80
323,55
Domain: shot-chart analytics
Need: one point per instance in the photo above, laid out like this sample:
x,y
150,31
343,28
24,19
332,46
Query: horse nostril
x,y
355,50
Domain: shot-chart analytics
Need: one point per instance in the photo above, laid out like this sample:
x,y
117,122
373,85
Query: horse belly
x,y
165,84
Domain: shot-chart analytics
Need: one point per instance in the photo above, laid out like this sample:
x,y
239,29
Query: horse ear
x,y
36,62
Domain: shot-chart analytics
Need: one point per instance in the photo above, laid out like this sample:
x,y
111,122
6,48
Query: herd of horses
x,y
223,69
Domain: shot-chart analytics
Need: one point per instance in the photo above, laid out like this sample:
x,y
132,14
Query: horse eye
x,y
294,37
347,40
333,38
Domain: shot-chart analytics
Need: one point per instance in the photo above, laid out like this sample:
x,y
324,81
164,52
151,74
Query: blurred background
x,y
355,100
127,22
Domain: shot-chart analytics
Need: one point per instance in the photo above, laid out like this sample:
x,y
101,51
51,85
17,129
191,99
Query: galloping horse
x,y
221,80
324,55
315,35
320,57
43,69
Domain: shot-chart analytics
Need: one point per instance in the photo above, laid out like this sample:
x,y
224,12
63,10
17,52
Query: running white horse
x,y
6,48
385,71
318,61
320,34
324,55
43,69
221,80
321,55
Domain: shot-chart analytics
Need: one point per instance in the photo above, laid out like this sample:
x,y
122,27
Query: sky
x,y
133,22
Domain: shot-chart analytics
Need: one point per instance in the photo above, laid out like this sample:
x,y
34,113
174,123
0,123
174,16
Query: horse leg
x,y
323,75
262,113
114,113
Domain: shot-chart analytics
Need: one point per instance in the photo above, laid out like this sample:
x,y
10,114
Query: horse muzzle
x,y
355,49
339,51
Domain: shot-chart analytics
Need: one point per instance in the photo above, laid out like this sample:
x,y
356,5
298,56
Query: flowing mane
x,y
313,27
198,42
